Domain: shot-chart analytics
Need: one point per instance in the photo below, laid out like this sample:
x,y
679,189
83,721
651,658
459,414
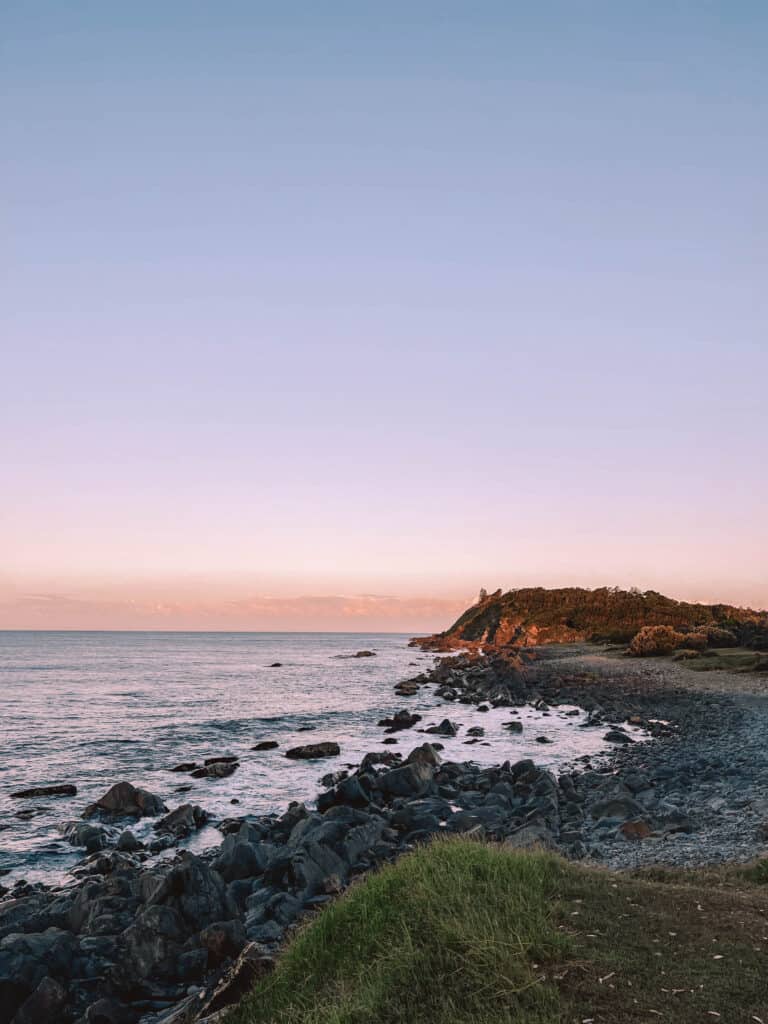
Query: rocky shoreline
x,y
176,940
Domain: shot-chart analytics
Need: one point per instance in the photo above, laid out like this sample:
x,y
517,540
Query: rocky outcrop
x,y
532,616
124,800
313,750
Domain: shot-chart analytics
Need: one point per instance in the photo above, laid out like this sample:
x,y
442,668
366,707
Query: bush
x,y
718,637
694,641
651,641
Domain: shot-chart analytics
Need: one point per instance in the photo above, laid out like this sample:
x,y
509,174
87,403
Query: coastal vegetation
x,y
535,615
466,931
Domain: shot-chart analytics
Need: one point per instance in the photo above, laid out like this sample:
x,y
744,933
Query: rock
x,y
476,730
389,739
109,1011
445,728
365,654
616,736
222,939
544,739
409,780
530,836
91,837
513,726
313,750
227,759
425,754
636,829
276,664
621,807
183,821
251,965
63,790
124,800
239,858
195,891
127,842
186,766
400,720
266,745
45,1003
216,770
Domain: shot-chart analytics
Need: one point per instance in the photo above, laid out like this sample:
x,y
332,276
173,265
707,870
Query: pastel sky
x,y
324,315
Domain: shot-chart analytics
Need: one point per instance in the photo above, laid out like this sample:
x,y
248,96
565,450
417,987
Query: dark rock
x,y
313,750
513,726
239,858
127,842
266,745
445,728
276,664
616,736
425,754
544,739
400,720
476,730
226,759
365,654
183,821
222,939
409,780
91,837
389,739
251,965
125,800
45,1004
63,790
216,770
186,766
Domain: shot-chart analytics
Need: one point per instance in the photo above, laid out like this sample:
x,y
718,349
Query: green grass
x,y
466,933
730,659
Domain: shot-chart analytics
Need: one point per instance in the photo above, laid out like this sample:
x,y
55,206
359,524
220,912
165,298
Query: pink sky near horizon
x,y
324,317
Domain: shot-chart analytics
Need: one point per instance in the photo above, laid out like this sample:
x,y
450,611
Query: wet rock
x,y
91,837
365,654
127,842
266,745
186,766
220,759
276,664
65,789
389,739
445,728
616,736
544,739
195,891
400,720
216,769
312,750
183,821
476,730
124,800
514,726
239,858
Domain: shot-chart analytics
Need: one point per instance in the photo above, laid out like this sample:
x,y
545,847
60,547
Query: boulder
x,y
186,766
239,858
514,726
266,745
425,754
45,1004
65,789
617,736
408,780
91,837
183,821
124,800
313,750
365,654
195,892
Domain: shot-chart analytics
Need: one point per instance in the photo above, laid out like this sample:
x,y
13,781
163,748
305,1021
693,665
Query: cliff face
x,y
534,616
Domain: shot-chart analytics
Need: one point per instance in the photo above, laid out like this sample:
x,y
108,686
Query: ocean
x,y
94,708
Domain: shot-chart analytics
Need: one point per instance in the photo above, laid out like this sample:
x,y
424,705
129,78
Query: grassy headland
x,y
467,932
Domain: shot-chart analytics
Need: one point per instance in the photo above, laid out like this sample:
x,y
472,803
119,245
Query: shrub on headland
x,y
651,641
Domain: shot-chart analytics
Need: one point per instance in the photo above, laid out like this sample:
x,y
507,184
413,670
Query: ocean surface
x,y
94,708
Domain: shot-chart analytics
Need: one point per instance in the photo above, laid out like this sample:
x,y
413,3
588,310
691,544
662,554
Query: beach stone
x,y
400,720
514,726
266,745
312,750
425,754
616,736
125,800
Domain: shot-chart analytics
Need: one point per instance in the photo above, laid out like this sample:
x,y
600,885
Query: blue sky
x,y
408,299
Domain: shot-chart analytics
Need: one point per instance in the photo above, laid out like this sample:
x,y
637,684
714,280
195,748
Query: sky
x,y
324,316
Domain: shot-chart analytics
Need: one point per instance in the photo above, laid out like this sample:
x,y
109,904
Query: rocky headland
x,y
178,937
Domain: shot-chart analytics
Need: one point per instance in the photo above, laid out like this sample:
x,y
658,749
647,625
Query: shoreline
x,y
158,941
